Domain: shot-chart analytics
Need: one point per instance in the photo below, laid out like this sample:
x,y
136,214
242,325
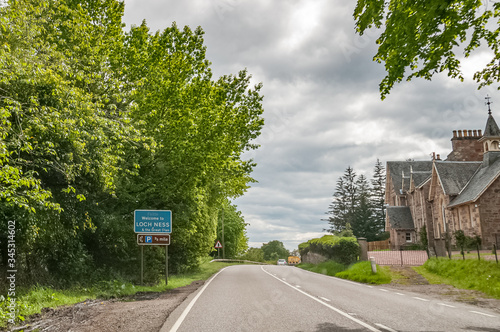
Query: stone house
x,y
459,193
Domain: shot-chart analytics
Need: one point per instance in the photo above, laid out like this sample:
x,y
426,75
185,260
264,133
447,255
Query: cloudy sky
x,y
322,106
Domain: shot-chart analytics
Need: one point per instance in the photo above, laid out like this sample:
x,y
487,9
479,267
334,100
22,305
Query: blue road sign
x,y
148,239
153,221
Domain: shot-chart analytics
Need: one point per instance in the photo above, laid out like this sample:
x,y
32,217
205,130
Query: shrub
x,y
344,250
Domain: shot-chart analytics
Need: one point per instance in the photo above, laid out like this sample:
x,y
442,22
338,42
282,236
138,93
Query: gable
x,y
397,168
454,175
478,184
400,217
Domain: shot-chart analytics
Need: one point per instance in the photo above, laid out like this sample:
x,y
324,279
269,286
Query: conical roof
x,y
491,129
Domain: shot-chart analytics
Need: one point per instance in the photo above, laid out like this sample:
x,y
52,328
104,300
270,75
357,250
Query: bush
x,y
344,250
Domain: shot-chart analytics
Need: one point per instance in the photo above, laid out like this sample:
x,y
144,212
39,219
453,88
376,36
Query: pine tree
x,y
341,210
363,218
378,196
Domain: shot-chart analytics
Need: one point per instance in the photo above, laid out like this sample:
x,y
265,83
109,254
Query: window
x,y
408,237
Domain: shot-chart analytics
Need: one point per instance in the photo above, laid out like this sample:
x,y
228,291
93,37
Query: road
x,y
285,298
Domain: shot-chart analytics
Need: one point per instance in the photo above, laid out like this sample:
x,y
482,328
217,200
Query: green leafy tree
x,y
235,239
274,250
98,121
253,254
424,37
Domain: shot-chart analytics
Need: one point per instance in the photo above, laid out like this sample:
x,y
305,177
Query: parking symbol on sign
x,y
149,239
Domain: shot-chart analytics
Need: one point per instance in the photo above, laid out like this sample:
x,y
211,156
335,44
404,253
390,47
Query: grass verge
x,y
33,300
482,275
330,268
360,271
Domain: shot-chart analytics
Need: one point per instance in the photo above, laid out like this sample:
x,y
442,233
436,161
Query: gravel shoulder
x,y
148,311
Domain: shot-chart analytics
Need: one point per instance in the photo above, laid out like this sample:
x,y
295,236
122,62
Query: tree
x,y
235,239
274,250
378,196
423,37
363,222
97,121
341,210
358,208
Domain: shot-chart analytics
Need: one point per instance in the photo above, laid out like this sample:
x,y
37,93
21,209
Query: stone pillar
x,y
363,245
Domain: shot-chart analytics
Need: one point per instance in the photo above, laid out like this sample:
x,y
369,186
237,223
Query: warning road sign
x,y
218,245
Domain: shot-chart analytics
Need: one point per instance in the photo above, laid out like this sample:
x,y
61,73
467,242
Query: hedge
x,y
344,250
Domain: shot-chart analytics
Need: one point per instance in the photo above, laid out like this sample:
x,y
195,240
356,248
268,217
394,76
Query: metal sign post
x,y
218,246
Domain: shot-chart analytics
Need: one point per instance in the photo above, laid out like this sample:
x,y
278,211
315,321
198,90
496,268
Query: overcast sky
x,y
321,103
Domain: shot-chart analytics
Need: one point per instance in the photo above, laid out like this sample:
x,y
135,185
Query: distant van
x,y
293,260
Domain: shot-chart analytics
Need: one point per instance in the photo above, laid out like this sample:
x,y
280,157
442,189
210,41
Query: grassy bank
x,y
31,301
481,275
360,271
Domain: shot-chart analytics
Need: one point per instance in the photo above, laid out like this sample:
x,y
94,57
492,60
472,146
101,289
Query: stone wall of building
x,y
489,209
466,146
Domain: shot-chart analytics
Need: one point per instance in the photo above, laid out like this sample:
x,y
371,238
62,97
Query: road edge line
x,y
191,304
371,328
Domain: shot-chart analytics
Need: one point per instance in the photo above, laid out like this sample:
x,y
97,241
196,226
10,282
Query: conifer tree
x,y
378,196
363,217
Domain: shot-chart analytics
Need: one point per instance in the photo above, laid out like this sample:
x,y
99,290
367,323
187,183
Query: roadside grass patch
x,y
329,268
32,301
362,272
481,275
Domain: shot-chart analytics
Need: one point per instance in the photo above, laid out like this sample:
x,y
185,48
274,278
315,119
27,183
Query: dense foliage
x,y
274,250
359,206
96,122
428,37
344,250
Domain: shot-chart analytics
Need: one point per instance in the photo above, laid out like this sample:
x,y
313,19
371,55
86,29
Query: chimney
x,y
438,157
459,133
470,133
465,133
454,134
475,132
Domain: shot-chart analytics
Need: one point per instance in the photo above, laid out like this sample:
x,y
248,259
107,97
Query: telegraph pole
x,y
223,244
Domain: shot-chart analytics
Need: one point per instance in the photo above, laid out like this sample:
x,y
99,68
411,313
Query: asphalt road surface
x,y
286,298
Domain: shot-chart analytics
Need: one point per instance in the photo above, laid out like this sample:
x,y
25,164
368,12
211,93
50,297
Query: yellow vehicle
x,y
293,260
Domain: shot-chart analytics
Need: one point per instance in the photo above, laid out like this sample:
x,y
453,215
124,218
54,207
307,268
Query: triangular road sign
x,y
218,245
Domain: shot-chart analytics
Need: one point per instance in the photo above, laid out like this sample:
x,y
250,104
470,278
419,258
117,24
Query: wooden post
x,y
166,265
142,265
495,251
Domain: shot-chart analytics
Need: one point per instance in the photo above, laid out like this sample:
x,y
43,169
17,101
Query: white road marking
x,y
371,328
369,286
482,313
324,299
385,328
447,305
400,294
383,290
297,286
191,304
421,299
